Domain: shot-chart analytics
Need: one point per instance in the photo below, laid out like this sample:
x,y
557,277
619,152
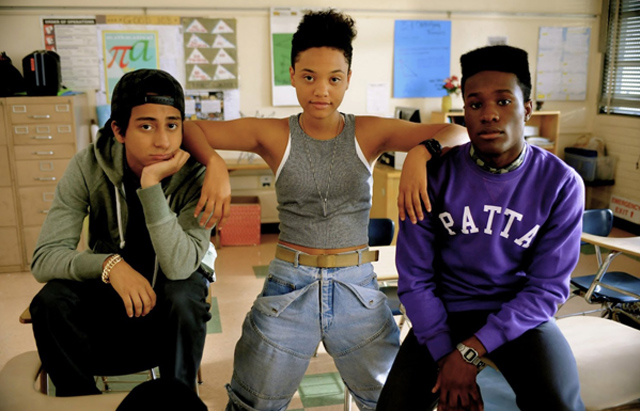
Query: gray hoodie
x,y
92,187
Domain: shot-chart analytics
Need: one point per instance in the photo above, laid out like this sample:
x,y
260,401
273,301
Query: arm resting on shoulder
x,y
413,180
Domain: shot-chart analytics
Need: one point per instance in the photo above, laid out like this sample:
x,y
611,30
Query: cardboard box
x,y
243,225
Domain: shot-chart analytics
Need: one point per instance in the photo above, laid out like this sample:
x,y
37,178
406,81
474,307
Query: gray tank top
x,y
301,208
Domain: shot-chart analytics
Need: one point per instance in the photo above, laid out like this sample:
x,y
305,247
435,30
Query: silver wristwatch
x,y
471,356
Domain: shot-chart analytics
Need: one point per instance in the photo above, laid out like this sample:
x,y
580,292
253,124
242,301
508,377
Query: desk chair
x,y
381,232
610,289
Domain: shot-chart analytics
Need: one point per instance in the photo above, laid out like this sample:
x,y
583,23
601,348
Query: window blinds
x,y
621,74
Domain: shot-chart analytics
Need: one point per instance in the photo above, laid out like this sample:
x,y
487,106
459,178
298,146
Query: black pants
x,y
82,330
539,366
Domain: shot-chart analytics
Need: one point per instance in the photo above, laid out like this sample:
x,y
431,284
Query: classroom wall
x,y
472,22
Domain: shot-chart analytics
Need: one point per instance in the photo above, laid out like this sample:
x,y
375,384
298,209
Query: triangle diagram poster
x,y
211,53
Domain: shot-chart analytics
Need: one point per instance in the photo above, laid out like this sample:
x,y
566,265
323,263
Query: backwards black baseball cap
x,y
144,86
498,58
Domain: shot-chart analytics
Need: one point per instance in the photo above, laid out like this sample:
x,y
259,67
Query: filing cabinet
x,y
39,135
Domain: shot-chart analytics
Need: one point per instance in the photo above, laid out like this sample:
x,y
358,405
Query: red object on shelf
x,y
243,225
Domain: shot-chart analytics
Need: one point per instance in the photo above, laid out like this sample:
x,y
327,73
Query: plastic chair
x,y
610,289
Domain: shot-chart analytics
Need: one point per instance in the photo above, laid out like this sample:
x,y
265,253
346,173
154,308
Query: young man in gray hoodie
x,y
135,298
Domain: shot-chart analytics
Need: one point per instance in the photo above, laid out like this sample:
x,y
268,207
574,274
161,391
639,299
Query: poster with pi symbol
x,y
126,51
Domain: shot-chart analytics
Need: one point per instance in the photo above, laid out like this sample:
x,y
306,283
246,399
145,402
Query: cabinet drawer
x,y
41,113
42,134
5,174
30,235
7,207
44,152
35,203
40,172
9,247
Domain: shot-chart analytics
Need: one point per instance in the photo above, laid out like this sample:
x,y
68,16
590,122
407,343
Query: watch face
x,y
470,355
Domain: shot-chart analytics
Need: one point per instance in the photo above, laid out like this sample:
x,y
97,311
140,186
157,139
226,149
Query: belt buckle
x,y
327,260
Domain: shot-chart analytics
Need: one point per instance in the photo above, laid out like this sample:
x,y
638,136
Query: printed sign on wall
x,y
211,53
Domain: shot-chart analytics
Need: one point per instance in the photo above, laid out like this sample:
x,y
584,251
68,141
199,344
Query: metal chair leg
x,y
347,399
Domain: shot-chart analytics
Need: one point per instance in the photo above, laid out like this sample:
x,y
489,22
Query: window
x,y
621,74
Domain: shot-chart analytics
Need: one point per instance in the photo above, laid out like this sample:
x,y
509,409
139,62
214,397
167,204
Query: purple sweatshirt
x,y
503,242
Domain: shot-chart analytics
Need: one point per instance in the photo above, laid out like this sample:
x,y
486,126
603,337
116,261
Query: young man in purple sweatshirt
x,y
483,273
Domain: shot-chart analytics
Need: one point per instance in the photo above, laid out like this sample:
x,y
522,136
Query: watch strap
x,y
433,147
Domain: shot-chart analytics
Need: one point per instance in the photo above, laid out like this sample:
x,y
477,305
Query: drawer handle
x,y
43,153
41,116
44,211
45,179
42,137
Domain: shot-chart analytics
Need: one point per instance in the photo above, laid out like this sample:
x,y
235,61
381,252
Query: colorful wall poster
x,y
211,53
126,51
168,46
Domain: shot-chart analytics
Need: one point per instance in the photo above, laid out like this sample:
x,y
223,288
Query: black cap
x,y
497,58
144,86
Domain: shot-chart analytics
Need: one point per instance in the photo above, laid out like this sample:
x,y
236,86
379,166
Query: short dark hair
x,y
144,86
327,28
498,58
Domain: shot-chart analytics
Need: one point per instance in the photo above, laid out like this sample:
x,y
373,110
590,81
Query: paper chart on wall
x,y
421,57
284,22
563,58
160,41
211,53
74,40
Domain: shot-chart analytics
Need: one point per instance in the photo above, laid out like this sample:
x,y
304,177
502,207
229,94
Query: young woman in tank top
x,y
323,162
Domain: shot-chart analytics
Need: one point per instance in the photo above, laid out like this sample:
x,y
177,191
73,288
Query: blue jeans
x,y
299,307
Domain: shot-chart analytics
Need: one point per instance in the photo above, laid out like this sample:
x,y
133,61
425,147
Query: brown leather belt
x,y
348,259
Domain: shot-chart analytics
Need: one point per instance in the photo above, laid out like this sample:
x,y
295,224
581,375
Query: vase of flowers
x,y
451,86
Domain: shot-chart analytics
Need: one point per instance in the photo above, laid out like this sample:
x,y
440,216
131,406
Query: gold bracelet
x,y
111,262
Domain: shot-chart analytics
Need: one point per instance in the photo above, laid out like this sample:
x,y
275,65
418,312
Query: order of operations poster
x,y
211,53
421,58
563,59
284,22
74,40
